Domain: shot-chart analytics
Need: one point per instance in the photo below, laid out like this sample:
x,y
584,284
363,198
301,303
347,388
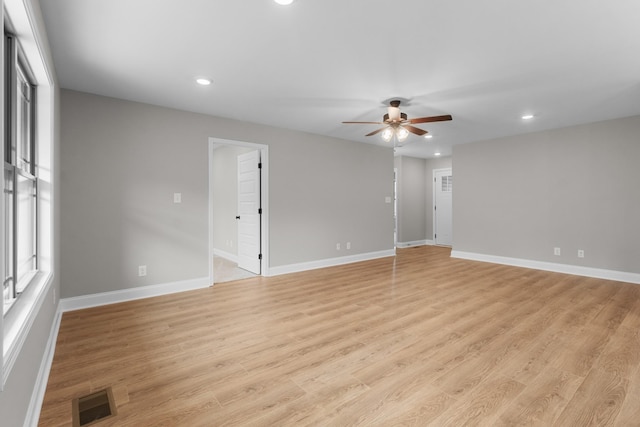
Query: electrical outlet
x,y
142,270
337,246
580,253
348,245
556,251
177,197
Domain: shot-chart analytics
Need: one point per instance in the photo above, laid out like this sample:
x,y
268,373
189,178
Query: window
x,y
28,122
447,184
20,180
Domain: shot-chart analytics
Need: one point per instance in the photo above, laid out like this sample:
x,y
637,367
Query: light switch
x,y
177,197
387,199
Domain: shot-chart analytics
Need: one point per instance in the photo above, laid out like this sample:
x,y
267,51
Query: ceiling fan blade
x,y
365,123
431,119
415,130
376,131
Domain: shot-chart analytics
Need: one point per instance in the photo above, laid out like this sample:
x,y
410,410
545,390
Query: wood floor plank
x,y
542,401
484,405
621,356
597,401
629,414
417,339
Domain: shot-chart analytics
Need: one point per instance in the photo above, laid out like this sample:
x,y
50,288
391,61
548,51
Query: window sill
x,y
18,320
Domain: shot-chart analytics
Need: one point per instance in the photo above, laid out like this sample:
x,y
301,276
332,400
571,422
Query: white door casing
x,y
249,212
443,208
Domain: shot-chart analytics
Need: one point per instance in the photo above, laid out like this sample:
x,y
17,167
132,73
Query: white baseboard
x,y
104,298
620,276
226,255
415,243
330,262
40,387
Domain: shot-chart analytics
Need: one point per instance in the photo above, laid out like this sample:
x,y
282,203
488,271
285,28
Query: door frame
x,y
433,203
264,188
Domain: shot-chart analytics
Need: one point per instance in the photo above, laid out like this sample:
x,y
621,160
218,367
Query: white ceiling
x,y
313,64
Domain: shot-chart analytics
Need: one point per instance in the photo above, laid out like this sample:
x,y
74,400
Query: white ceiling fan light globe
x,y
387,134
402,134
284,2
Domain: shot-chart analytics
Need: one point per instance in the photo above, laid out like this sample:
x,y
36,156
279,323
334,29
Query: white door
x,y
249,212
395,207
442,205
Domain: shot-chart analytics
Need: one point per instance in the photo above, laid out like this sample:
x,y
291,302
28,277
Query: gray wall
x,y
19,388
122,161
415,196
224,179
573,188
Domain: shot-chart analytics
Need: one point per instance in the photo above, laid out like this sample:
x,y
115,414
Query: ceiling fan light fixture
x,y
402,133
397,125
427,136
387,134
284,2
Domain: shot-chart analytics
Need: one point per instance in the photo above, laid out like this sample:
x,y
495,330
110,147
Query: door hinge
x,y
259,211
259,256
260,165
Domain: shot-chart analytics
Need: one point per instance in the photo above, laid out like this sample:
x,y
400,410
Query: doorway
x,y
443,207
235,192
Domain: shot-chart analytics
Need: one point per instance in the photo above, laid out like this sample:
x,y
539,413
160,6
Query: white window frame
x,y
18,19
19,77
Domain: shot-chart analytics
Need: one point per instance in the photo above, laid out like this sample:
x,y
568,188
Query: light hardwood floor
x,y
419,339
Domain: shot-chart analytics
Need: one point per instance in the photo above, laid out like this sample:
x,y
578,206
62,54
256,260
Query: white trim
x,y
329,262
40,387
226,255
210,148
599,273
264,188
104,298
414,243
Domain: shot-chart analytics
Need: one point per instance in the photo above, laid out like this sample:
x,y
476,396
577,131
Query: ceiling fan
x,y
396,123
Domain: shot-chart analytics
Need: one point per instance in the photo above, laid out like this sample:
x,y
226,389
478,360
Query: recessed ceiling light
x,y
527,117
428,136
284,2
203,81
436,154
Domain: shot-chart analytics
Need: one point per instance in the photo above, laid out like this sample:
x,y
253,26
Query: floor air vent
x,y
93,407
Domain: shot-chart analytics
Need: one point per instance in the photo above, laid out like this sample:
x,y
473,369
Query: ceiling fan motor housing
x,y
403,117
